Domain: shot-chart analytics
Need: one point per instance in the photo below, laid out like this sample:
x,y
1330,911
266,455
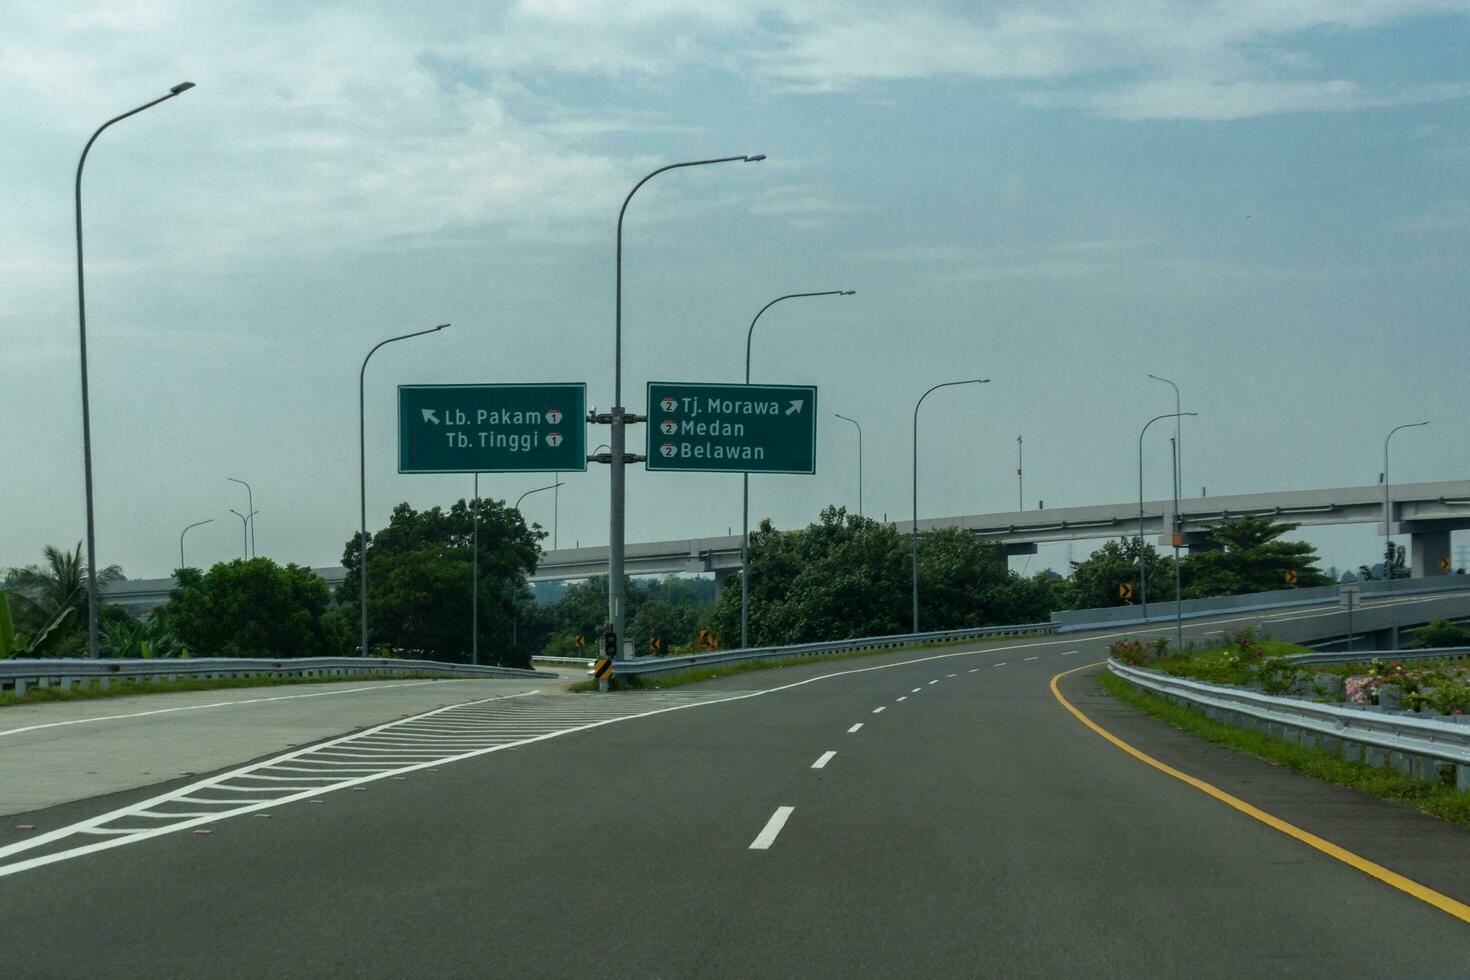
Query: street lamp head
x,y
848,292
181,88
755,159
441,326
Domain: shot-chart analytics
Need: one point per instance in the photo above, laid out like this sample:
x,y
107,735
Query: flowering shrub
x,y
1361,690
1131,652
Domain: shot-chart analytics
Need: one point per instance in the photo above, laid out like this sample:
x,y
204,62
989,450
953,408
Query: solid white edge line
x,y
767,836
823,759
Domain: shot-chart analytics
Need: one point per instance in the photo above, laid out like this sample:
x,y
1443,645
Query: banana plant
x,y
13,644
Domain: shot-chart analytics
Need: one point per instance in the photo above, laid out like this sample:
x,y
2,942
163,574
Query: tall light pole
x,y
618,420
1178,433
1142,561
250,506
181,538
1388,506
244,532
745,477
362,468
914,529
86,404
860,461
1020,484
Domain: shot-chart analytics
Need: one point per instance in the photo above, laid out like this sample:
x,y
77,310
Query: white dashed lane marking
x,y
879,708
854,728
823,759
767,836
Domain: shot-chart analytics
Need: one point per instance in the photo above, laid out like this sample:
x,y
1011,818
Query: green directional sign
x,y
732,428
511,428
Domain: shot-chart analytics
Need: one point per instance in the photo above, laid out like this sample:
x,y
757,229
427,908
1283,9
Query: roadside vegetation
x,y
1434,687
1442,800
843,576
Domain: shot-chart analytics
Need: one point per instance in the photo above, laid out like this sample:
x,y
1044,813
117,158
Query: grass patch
x,y
1442,800
116,688
706,672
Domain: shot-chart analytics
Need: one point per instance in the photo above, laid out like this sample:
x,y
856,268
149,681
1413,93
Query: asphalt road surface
x,y
920,814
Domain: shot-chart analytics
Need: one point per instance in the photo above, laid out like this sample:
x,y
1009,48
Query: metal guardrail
x,y
1162,611
1411,736
658,665
1348,657
64,673
579,661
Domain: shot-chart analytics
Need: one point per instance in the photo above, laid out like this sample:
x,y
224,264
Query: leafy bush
x,y
253,608
1441,633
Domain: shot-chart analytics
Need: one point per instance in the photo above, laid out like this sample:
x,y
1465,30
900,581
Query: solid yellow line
x,y
1444,903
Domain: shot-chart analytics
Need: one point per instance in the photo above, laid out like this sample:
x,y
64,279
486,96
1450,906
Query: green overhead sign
x,y
727,428
511,428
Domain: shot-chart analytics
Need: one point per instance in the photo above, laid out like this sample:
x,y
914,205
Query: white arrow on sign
x,y
429,415
795,408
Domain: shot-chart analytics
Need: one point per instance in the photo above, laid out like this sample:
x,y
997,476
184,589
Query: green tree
x,y
1441,633
1095,581
420,575
847,576
41,595
671,608
253,608
1251,559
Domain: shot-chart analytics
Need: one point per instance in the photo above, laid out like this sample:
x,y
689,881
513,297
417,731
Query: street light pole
x,y
860,461
362,468
1388,506
181,539
244,533
250,506
1142,562
1020,483
86,404
616,516
1178,434
745,477
914,528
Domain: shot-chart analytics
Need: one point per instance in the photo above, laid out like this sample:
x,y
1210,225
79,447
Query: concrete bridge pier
x,y
1427,549
722,575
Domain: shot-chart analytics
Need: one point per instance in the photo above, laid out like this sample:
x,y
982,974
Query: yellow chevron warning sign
x,y
1290,576
1125,590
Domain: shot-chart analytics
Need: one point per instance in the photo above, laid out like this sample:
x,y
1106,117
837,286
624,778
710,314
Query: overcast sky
x,y
1265,201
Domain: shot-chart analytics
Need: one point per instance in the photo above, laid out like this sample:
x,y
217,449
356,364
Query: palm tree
x,y
42,593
